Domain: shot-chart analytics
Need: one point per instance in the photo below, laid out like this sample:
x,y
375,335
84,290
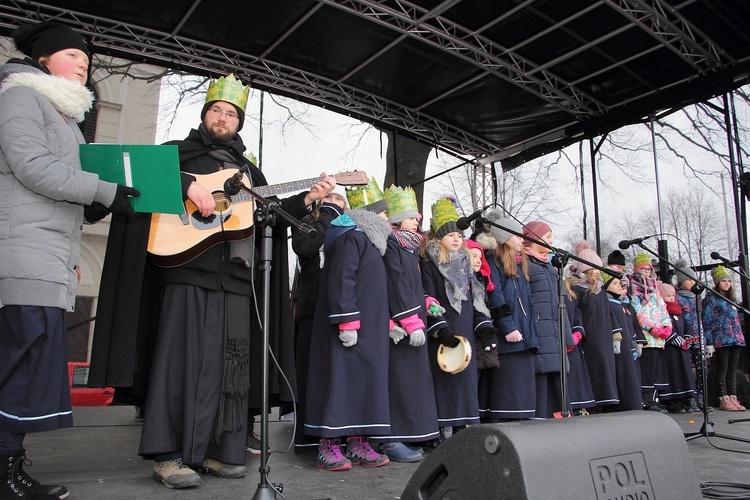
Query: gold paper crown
x,y
401,201
443,212
361,196
229,89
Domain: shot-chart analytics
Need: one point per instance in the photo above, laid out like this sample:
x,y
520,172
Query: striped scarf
x,y
409,240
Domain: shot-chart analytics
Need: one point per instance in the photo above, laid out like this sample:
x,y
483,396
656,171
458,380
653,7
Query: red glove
x,y
657,332
666,331
577,336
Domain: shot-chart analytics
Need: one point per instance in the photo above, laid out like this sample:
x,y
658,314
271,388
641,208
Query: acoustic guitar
x,y
176,239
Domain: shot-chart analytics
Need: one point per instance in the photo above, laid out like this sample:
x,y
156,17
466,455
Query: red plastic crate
x,y
80,395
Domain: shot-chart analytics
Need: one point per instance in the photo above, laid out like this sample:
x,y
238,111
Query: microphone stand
x,y
560,261
707,429
265,216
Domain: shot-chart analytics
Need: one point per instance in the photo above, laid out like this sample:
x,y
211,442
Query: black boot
x,y
18,484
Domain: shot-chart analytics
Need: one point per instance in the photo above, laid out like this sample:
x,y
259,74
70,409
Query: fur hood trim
x,y
486,241
376,229
69,98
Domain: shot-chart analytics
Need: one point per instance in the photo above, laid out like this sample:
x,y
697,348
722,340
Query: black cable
x,y
725,490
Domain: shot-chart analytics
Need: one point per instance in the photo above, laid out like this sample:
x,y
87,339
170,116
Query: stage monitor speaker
x,y
637,455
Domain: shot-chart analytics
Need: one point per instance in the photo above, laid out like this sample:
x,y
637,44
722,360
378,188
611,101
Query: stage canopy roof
x,y
495,80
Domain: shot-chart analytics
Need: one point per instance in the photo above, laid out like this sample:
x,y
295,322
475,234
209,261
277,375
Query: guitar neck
x,y
286,187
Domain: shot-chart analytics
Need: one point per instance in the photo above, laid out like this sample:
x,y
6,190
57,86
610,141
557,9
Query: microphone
x,y
464,222
232,184
716,256
625,244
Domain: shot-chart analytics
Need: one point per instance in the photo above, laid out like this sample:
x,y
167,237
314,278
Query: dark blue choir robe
x,y
411,395
347,387
455,394
597,344
628,374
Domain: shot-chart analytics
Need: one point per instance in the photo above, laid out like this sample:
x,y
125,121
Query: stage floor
x,y
97,459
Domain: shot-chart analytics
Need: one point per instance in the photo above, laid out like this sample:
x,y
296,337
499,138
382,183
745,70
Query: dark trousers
x,y
727,359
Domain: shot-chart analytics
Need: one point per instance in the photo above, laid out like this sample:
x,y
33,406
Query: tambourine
x,y
454,359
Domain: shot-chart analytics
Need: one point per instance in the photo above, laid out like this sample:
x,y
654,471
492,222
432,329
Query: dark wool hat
x,y
446,229
616,258
377,207
46,38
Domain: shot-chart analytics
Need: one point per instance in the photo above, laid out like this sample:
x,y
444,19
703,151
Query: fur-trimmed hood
x,y
69,98
486,241
376,229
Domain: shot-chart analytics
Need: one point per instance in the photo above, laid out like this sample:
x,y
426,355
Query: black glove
x,y
500,311
121,205
488,338
447,337
95,212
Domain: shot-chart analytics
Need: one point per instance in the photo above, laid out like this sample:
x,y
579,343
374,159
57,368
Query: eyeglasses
x,y
219,112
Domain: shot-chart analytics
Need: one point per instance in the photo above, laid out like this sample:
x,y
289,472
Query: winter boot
x,y
359,452
220,469
18,484
175,474
736,403
726,404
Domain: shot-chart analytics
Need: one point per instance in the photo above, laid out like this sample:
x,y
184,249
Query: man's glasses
x,y
219,112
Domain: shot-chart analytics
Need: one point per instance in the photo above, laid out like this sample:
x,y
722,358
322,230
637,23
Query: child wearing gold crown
x,y
447,276
721,325
409,358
